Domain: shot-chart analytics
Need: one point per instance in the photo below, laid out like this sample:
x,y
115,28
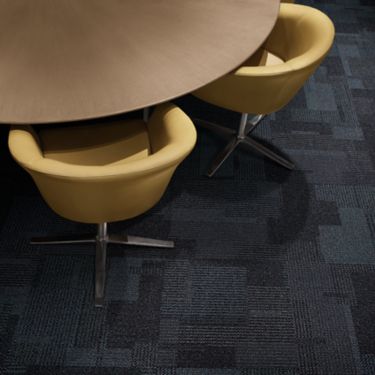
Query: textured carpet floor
x,y
273,272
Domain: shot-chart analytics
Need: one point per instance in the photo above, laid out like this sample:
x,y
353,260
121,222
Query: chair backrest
x,y
97,194
302,37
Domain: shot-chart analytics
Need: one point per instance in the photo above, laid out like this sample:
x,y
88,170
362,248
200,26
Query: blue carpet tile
x,y
273,271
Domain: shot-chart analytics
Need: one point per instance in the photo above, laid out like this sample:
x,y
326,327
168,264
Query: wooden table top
x,y
66,60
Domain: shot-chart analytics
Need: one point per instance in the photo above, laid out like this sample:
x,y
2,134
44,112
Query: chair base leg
x,y
101,240
139,241
55,240
241,138
254,145
215,128
222,156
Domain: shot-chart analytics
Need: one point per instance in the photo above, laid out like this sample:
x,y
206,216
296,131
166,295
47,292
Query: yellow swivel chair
x,y
103,173
268,80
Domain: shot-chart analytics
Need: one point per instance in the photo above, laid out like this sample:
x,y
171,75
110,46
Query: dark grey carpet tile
x,y
273,271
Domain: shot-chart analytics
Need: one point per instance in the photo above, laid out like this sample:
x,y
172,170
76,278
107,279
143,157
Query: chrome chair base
x,y
240,138
101,240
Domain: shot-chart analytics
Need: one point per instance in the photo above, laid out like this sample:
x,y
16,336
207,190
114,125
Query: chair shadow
x,y
293,187
295,202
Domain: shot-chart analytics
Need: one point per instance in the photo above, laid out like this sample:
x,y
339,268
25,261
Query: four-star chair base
x,y
240,138
101,240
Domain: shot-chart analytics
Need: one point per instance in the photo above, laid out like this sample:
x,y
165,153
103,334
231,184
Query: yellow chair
x,y
268,80
105,172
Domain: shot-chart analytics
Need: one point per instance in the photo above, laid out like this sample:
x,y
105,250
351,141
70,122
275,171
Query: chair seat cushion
x,y
109,143
263,58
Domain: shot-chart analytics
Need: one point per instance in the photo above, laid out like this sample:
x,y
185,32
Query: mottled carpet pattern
x,y
273,272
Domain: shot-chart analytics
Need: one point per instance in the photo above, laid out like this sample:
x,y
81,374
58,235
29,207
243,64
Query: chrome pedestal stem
x,y
146,114
100,263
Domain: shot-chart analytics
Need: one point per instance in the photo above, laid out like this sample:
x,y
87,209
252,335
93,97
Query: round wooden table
x,y
66,60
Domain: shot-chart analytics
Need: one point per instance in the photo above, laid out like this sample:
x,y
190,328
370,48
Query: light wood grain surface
x,y
65,60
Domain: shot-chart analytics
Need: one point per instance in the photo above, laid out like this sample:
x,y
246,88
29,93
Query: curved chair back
x,y
105,193
300,40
